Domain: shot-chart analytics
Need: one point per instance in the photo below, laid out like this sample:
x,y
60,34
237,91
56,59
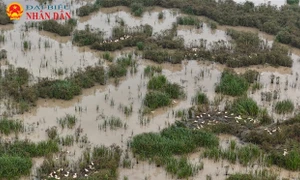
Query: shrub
x,y
232,84
156,99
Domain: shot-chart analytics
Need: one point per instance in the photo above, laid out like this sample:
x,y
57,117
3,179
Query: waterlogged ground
x,y
50,52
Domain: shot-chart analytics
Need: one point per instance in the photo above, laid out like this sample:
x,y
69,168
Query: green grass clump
x,y
58,89
182,168
151,70
157,82
260,175
232,84
245,106
8,126
86,37
188,20
119,68
108,56
161,91
201,98
285,106
244,155
13,166
113,123
161,147
68,121
156,99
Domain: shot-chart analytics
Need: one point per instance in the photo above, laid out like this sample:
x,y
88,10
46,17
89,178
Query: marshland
x,y
152,89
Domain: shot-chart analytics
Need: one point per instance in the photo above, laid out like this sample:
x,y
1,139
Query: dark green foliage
x,y
232,84
260,175
58,89
160,147
245,106
188,20
55,27
171,141
251,76
88,9
157,82
140,45
4,19
161,92
137,9
86,37
119,68
201,98
156,99
292,2
285,106
14,166
8,126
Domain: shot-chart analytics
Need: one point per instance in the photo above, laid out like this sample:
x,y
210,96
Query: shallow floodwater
x,y
51,52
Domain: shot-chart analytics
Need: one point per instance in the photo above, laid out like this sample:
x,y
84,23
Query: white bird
x,y
197,117
225,112
116,40
86,175
91,167
92,163
208,115
121,38
75,176
86,170
285,152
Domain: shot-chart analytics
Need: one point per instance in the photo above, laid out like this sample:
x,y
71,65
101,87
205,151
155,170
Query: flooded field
x,y
48,54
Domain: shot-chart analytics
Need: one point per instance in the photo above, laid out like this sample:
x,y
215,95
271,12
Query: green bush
x,y
245,106
13,166
201,98
156,99
232,84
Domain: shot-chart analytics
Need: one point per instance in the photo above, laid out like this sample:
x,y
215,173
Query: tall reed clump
x,y
284,107
201,98
258,175
68,121
244,155
8,126
160,147
151,70
245,106
161,91
188,20
232,84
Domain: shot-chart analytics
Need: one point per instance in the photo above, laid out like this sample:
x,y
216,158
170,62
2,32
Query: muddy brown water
x,y
192,75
